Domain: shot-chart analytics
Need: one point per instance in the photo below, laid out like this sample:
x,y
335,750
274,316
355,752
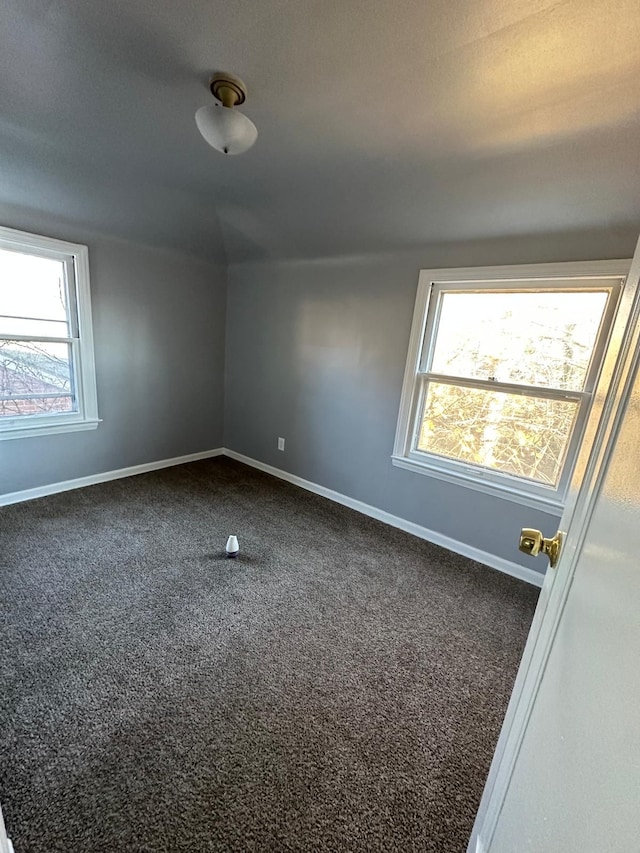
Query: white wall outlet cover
x,y
281,444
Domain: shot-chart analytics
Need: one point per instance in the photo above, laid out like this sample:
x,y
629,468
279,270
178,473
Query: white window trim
x,y
76,258
497,484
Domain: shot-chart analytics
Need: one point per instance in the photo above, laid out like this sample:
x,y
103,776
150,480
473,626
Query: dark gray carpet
x,y
339,687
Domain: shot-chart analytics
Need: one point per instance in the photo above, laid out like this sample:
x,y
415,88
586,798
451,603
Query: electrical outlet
x,y
281,444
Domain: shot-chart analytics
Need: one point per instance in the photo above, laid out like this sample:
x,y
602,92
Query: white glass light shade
x,y
225,129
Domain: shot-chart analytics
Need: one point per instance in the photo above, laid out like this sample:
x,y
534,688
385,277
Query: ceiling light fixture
x,y
223,127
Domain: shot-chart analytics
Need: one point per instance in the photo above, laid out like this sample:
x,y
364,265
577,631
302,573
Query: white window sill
x,y
46,429
473,479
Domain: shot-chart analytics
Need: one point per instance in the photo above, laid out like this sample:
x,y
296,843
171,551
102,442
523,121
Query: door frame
x,y
612,393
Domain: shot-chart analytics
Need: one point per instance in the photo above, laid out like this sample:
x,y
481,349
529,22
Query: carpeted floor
x,y
339,687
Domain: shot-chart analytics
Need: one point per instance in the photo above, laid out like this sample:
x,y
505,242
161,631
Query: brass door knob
x,y
532,542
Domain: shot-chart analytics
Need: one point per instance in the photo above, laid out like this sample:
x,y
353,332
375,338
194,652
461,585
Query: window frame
x,y
75,260
432,286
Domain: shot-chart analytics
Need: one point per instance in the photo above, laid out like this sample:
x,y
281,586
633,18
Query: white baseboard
x,y
92,479
499,563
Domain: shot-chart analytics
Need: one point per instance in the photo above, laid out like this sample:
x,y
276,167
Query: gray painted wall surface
x,y
159,325
316,353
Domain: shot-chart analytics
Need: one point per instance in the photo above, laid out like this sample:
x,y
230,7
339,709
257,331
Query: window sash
x,y
75,370
582,398
68,261
438,291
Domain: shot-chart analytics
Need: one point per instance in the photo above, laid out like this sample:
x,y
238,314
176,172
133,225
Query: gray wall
x,y
159,326
316,353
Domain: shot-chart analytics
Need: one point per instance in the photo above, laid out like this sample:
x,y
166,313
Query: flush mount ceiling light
x,y
222,126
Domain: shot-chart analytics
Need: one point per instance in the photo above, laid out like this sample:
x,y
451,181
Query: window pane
x,y
35,378
523,436
543,339
31,288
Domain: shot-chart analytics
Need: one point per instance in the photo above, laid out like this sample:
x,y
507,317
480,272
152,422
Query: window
x,y
502,367
47,373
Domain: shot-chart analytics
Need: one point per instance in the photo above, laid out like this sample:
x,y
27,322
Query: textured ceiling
x,y
383,125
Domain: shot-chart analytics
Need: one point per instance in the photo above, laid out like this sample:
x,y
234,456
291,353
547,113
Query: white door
x,y
566,774
5,843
